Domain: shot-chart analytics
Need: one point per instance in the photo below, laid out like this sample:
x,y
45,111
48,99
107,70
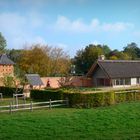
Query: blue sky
x,y
70,24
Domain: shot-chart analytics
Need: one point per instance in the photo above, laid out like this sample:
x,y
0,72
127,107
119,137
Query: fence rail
x,y
31,106
129,91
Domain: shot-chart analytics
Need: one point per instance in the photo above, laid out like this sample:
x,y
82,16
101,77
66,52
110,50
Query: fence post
x,y
24,100
10,108
135,94
114,97
50,104
67,102
1,96
31,106
16,101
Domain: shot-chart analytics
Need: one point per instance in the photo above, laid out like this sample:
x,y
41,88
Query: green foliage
x,y
83,100
8,91
8,81
14,55
2,43
85,58
46,95
132,50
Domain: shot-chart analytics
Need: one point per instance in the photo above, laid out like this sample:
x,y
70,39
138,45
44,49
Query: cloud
x,y
19,29
65,24
116,27
32,28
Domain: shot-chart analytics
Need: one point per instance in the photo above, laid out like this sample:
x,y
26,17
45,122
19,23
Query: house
x,y
115,73
6,66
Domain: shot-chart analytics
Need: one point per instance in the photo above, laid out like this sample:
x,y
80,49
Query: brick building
x,y
6,66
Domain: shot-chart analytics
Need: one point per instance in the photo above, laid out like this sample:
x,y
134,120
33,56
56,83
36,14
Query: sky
x,y
70,24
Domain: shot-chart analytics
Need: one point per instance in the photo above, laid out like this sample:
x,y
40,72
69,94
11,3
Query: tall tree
x,y
2,43
44,60
34,60
106,50
60,61
132,50
85,58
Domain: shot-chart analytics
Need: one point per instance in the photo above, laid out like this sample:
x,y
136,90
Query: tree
x,y
2,43
86,57
34,60
60,62
118,55
106,50
132,50
9,81
44,60
14,54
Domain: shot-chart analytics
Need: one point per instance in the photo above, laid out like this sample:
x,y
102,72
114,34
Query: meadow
x,y
121,121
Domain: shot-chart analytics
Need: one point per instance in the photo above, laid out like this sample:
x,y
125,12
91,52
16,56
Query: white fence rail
x,y
129,91
33,105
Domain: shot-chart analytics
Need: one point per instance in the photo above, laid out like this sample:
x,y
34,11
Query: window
x,y
117,81
122,81
138,80
127,81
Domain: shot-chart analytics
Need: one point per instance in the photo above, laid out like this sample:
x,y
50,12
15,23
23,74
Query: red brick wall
x,y
6,70
80,81
76,81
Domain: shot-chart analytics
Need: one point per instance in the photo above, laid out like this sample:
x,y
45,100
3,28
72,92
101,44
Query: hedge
x,y
85,100
43,95
8,91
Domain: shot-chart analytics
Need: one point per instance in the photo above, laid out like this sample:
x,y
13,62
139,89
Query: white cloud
x,y
19,29
117,27
65,24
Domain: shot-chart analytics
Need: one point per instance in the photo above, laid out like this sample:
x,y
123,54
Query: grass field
x,y
115,122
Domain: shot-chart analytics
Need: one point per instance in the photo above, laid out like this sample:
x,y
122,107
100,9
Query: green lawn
x,y
115,122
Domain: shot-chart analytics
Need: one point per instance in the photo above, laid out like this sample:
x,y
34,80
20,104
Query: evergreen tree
x,y
2,43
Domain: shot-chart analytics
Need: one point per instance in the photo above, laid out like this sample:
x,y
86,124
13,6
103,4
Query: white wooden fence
x,y
33,105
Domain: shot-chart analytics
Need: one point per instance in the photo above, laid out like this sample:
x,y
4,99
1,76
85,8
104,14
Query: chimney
x,y
101,57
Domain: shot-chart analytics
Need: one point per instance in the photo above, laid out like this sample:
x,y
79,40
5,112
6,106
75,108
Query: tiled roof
x,y
34,79
4,60
118,68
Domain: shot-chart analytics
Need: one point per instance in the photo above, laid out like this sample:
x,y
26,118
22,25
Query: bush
x,y
8,91
44,95
79,100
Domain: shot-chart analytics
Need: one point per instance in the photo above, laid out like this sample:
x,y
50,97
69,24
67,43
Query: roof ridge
x,y
119,61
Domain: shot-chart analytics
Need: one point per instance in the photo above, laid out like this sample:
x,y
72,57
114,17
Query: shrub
x,y
46,94
84,100
109,98
8,91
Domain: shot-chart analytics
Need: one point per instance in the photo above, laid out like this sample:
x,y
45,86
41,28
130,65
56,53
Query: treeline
x,y
53,61
86,57
41,59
